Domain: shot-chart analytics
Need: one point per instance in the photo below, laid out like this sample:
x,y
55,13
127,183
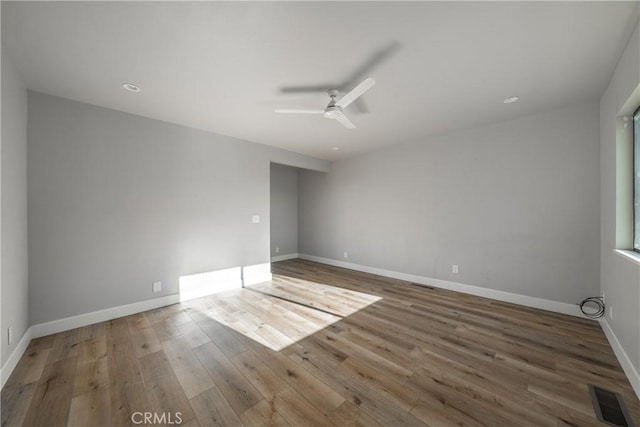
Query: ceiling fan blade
x,y
370,64
345,121
307,89
356,93
285,111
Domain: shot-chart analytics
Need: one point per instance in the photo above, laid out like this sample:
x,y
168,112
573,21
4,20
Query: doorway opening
x,y
284,212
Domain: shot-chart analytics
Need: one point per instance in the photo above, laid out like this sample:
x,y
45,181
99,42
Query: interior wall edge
x,y
619,275
14,276
14,357
284,257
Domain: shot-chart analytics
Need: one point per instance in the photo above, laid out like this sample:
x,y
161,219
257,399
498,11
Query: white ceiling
x,y
219,66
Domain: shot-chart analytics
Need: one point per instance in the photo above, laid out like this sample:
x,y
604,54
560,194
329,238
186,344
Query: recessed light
x,y
511,99
131,87
335,148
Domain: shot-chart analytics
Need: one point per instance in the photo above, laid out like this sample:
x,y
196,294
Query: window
x,y
636,180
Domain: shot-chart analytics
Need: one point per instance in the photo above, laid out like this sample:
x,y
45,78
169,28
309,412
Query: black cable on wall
x,y
592,307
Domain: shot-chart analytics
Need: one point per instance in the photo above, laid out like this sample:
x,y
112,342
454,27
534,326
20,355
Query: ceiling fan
x,y
335,109
372,62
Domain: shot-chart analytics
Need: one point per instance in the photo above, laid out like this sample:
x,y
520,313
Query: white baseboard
x,y
78,321
623,358
16,355
559,307
250,275
283,257
55,326
254,274
203,291
61,325
202,284
544,304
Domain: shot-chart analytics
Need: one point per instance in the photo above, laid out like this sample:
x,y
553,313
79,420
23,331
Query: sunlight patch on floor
x,y
283,311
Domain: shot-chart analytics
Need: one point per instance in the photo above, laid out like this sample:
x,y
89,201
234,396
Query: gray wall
x,y
620,276
117,201
284,210
15,293
514,204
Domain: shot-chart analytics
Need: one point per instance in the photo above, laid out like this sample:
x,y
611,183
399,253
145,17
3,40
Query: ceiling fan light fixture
x,y
335,108
332,112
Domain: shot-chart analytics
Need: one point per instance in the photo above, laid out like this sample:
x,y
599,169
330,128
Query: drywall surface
x,y
15,290
620,276
515,205
284,210
118,201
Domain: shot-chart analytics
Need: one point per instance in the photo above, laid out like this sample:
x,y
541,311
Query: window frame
x,y
635,152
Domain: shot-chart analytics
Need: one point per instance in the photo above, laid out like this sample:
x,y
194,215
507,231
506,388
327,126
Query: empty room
x,y
308,213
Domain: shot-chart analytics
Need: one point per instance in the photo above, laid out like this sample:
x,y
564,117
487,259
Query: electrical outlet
x,y
611,313
157,286
346,255
255,219
455,269
10,335
277,250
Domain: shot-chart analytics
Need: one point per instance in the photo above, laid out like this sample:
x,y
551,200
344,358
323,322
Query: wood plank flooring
x,y
320,345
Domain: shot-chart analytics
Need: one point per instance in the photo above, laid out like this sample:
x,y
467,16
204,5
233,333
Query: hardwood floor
x,y
320,345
